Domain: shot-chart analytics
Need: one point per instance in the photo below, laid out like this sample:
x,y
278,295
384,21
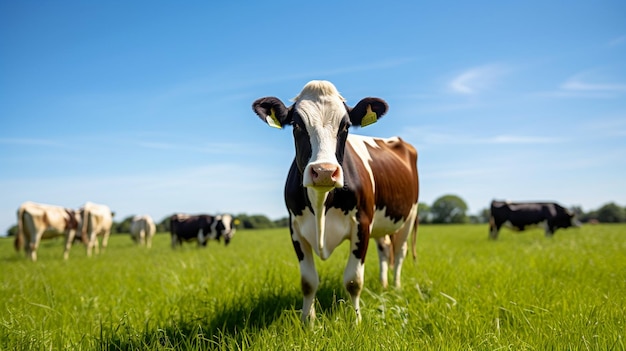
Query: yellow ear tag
x,y
272,120
369,118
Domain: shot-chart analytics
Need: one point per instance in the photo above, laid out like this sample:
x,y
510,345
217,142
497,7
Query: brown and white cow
x,y
97,220
142,230
344,187
36,222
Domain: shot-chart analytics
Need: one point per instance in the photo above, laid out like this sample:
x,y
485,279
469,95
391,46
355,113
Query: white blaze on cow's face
x,y
320,127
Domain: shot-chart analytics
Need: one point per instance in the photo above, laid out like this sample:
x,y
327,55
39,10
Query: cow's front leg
x,y
309,279
354,273
493,229
353,281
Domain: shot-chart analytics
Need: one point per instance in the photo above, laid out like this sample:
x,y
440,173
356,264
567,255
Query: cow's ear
x,y
368,111
272,111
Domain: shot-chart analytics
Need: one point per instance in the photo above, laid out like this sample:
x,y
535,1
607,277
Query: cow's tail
x,y
414,236
18,243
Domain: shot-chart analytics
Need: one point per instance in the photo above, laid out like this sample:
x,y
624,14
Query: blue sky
x,y
145,106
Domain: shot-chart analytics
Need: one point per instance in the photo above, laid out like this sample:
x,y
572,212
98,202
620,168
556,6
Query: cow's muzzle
x,y
323,175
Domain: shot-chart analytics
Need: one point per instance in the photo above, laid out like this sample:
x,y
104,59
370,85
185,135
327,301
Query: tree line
x,y
447,209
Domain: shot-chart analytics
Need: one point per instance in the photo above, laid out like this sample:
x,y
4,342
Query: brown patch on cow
x,y
363,235
353,287
361,185
395,175
70,221
307,289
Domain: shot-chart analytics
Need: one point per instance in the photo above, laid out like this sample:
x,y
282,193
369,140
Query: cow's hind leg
x,y
93,242
384,255
69,240
105,240
400,246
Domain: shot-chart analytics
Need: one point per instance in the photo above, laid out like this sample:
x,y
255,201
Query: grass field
x,y
464,292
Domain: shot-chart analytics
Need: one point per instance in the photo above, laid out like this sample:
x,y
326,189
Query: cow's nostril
x,y
314,175
335,174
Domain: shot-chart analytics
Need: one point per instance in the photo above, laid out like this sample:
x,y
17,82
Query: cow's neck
x,y
318,199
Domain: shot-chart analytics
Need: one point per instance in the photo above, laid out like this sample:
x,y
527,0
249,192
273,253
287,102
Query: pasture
x,y
464,292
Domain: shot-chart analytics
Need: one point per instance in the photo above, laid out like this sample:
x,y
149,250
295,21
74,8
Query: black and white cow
x,y
201,228
521,215
344,187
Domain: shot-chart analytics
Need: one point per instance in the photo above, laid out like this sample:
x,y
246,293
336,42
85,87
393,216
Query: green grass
x,y
523,292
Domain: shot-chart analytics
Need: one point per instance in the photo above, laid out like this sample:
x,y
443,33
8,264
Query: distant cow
x,y
201,228
344,187
38,222
521,215
97,220
142,230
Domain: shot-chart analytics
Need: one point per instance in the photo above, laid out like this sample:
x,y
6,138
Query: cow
x,y
523,215
38,222
201,228
142,230
344,187
97,220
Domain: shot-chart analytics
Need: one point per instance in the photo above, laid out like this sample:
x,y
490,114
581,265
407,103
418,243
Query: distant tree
x,y
480,217
282,222
423,212
123,226
449,209
611,213
255,221
577,211
484,215
12,231
164,225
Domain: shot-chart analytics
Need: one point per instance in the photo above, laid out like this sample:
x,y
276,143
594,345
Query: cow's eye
x,y
344,127
297,128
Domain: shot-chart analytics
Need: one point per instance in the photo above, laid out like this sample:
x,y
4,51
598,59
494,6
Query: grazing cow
x,y
38,222
344,187
96,220
201,228
521,215
142,230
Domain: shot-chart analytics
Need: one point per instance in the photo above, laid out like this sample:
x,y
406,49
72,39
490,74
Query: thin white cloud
x,y
578,84
210,148
477,79
618,41
427,137
519,139
589,85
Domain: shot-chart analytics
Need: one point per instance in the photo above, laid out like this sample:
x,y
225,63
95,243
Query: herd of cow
x,y
36,222
339,187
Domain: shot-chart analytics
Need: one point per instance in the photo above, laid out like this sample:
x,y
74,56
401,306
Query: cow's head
x,y
320,119
225,227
